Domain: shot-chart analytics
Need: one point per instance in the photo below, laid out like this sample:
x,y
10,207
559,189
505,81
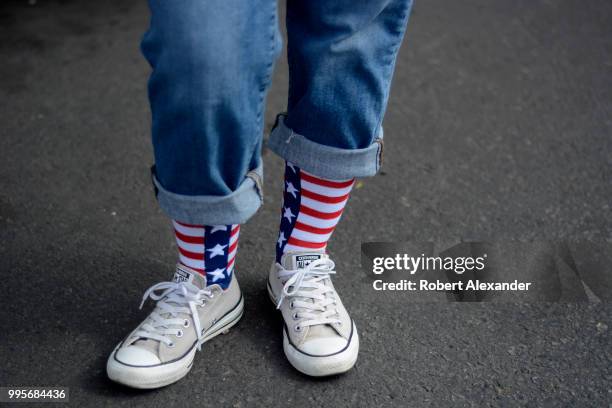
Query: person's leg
x,y
211,66
341,59
211,63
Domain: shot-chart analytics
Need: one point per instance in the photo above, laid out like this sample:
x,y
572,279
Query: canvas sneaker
x,y
319,337
188,313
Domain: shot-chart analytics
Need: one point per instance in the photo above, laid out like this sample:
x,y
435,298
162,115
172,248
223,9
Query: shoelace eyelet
x,y
297,328
186,323
291,305
171,345
295,316
179,333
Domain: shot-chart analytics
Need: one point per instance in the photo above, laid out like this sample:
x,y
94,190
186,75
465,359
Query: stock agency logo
x,y
412,264
479,271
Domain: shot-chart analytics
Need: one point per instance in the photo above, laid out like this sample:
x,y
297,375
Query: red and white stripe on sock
x,y
312,207
208,249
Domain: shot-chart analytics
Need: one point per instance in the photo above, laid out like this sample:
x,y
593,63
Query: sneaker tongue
x,y
186,274
299,260
182,274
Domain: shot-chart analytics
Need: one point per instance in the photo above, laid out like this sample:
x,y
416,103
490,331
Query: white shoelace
x,y
307,291
176,298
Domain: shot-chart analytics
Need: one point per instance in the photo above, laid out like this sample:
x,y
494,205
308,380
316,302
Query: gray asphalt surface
x,y
499,127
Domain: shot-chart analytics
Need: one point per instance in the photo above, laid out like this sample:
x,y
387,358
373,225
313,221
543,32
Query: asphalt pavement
x,y
499,127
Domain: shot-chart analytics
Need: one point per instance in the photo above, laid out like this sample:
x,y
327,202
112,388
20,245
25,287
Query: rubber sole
x,y
320,366
166,374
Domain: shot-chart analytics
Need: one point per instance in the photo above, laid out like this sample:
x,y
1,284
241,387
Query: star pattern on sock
x,y
291,166
291,189
208,249
216,228
281,239
217,250
288,214
217,274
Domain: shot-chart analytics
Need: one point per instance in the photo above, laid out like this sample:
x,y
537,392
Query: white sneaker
x,y
161,349
319,337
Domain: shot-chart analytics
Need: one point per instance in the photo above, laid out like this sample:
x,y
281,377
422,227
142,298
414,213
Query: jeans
x,y
212,62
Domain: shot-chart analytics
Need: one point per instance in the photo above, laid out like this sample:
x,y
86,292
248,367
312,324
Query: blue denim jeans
x,y
212,62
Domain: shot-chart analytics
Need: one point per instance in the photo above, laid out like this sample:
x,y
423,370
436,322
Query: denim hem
x,y
234,208
325,161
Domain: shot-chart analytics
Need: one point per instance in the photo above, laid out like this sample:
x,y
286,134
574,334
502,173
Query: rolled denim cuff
x,y
325,161
234,208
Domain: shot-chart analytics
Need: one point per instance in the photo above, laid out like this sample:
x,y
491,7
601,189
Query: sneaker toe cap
x,y
136,356
324,346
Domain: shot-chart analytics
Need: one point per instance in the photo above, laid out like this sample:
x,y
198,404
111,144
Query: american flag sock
x,y
312,207
208,249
